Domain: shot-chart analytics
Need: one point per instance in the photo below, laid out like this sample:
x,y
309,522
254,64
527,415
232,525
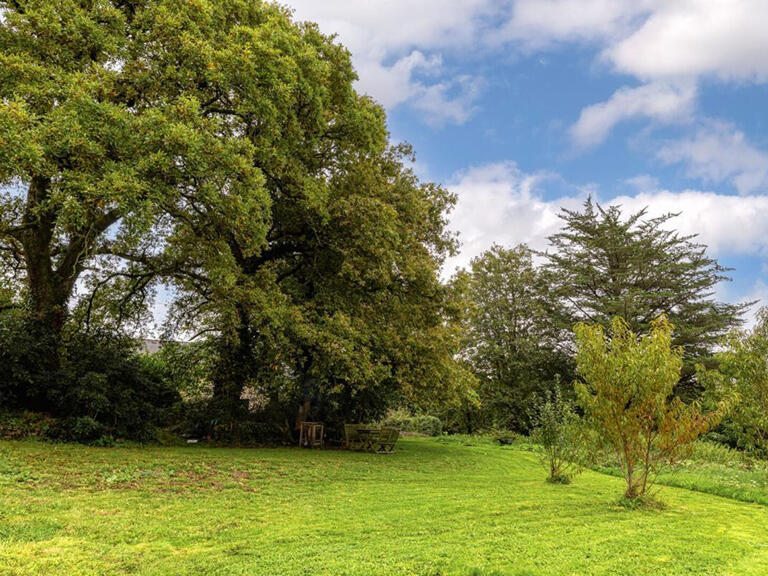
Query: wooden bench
x,y
368,439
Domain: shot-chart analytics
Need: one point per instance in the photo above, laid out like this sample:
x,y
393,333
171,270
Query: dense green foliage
x,y
604,264
433,507
103,388
404,421
742,378
102,121
626,389
221,149
510,339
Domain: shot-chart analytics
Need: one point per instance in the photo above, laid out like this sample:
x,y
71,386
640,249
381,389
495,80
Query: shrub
x,y
419,424
111,390
15,426
557,429
427,425
709,452
102,388
77,429
24,380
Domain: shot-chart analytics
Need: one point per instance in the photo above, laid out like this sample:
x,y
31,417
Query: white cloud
x,y
729,225
661,102
394,84
498,203
396,42
654,39
541,23
450,101
391,26
643,182
719,152
681,38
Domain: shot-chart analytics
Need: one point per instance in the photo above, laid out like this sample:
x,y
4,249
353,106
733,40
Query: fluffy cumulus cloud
x,y
725,39
653,39
498,203
718,152
662,102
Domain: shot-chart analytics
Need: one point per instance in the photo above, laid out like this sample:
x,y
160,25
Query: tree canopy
x,y
220,148
742,378
510,339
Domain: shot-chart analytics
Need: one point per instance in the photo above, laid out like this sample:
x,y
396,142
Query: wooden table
x,y
368,437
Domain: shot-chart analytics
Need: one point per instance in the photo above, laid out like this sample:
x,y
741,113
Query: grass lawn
x,y
434,507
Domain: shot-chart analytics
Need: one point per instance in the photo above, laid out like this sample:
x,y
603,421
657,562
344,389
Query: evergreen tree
x,y
603,265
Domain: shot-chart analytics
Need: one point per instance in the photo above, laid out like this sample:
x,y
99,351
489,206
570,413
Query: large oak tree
x,y
221,147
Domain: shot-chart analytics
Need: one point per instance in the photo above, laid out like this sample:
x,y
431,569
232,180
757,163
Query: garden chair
x,y
351,437
387,440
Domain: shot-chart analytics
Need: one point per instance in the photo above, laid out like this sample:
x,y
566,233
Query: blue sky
x,y
524,106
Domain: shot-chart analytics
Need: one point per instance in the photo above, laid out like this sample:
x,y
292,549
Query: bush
x,y
427,425
557,429
16,426
627,394
24,377
110,390
101,388
710,452
82,429
419,424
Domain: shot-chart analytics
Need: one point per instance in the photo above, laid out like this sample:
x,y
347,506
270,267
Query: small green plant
x,y
557,429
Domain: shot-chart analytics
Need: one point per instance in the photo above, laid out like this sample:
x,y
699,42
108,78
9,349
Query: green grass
x,y
435,507
716,469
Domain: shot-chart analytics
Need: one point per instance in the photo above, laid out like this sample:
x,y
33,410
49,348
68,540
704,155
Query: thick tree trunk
x,y
48,295
52,269
236,364
48,291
